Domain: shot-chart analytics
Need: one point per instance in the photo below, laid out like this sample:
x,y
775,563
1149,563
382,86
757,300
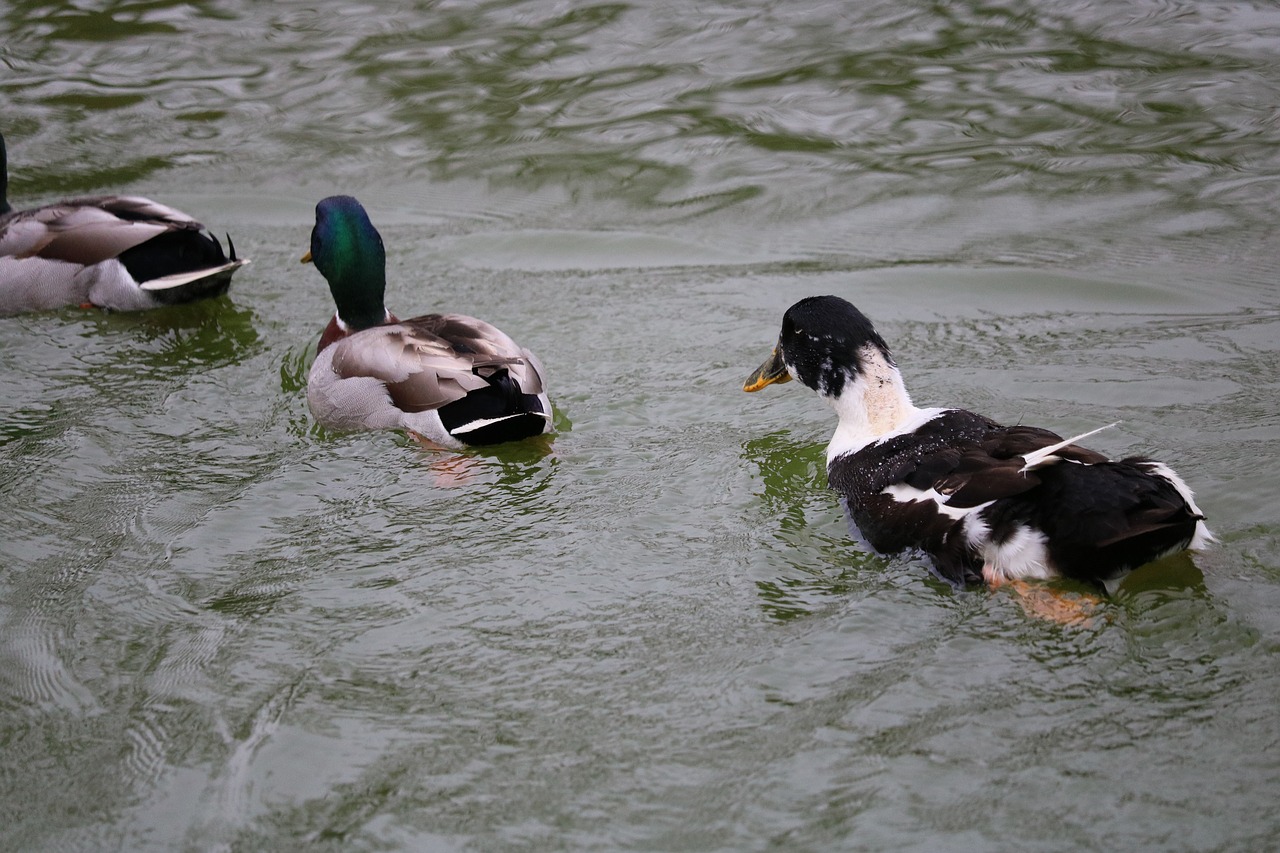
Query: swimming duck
x,y
984,501
447,378
126,253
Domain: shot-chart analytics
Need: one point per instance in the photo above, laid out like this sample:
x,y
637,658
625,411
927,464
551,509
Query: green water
x,y
223,628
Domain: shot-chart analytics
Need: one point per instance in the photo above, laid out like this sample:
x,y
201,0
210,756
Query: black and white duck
x,y
450,379
984,501
125,253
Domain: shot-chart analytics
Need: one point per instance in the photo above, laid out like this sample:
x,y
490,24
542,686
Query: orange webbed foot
x,y
1074,609
450,468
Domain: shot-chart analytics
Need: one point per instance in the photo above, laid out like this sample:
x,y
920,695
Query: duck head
x,y
832,348
348,251
826,344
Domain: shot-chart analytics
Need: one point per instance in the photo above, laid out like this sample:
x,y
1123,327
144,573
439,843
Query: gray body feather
x,y
399,375
68,254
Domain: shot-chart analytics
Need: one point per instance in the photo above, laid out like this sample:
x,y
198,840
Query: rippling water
x,y
221,627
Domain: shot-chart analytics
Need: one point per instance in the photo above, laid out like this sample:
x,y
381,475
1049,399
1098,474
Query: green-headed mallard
x,y
451,379
121,252
984,501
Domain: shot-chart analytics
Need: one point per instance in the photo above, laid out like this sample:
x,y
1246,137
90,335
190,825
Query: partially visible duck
x,y
983,501
120,252
447,378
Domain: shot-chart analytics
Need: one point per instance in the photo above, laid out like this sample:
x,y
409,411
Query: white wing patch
x,y
902,493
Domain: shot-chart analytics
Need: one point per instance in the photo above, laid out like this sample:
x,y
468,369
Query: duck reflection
x,y
504,466
812,542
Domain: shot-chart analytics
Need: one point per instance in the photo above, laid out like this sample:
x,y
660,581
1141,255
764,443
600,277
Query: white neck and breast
x,y
872,405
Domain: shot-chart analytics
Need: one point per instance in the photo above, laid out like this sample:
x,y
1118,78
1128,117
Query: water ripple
x,y
223,625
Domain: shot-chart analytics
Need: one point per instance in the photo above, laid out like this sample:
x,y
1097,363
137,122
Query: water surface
x,y
224,628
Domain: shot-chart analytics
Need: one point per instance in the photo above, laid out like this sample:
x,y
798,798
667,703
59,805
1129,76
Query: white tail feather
x,y
1044,456
179,279
475,425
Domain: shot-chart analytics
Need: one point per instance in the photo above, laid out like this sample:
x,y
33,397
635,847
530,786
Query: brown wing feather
x,y
90,230
1020,440
432,360
993,468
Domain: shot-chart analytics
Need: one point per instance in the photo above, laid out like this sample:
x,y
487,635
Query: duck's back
x,y
447,377
960,488
1101,520
121,252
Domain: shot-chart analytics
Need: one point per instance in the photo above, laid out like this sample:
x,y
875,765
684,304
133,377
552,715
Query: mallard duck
x,y
447,378
984,501
121,252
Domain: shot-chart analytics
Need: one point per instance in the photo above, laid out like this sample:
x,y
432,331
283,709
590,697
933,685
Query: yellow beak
x,y
772,372
306,259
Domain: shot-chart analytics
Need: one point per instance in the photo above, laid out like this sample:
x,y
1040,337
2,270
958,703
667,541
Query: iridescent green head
x,y
348,251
